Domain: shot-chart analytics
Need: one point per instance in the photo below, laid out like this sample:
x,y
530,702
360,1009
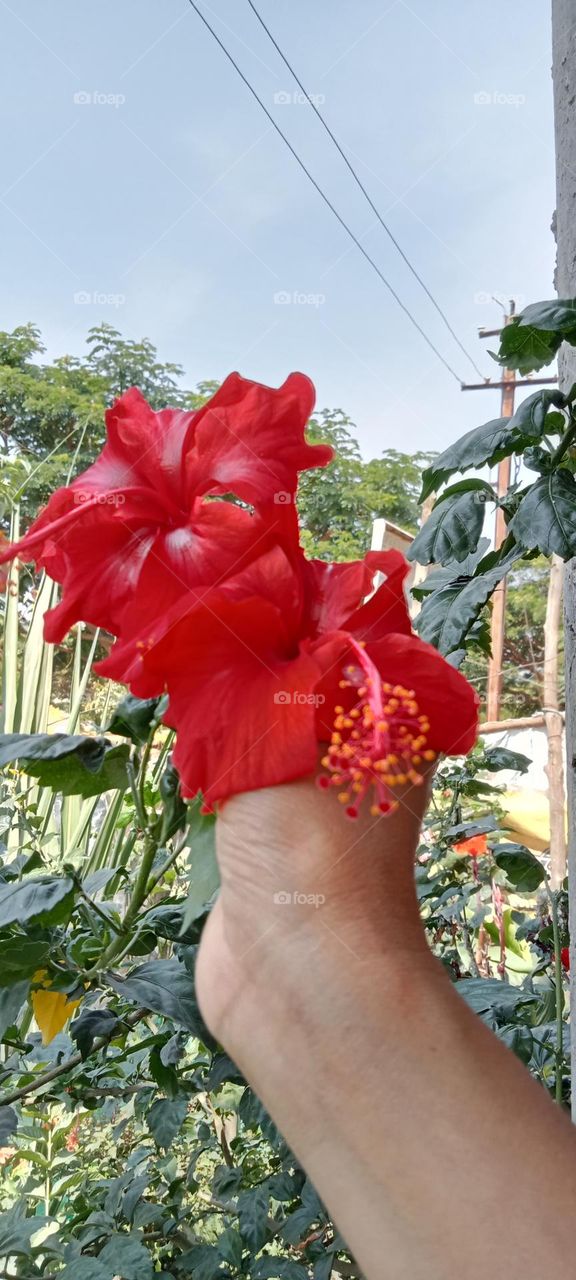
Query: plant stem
x,y
559,1052
74,1061
110,924
564,445
170,860
138,896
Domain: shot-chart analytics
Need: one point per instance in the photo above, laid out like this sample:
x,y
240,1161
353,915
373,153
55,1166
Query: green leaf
x,y
532,420
17,1232
132,717
253,1217
8,1124
520,1040
175,813
87,1269
278,1269
203,1262
523,870
482,446
525,347
164,1074
11,1001
204,876
44,899
20,958
448,614
546,517
230,1248
497,439
455,524
167,988
91,1024
128,1256
489,995
496,758
68,763
556,316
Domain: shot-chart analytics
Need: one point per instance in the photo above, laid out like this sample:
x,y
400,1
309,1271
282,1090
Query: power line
x,y
324,197
364,191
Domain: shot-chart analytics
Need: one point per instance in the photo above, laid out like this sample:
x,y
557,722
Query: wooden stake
x,y
554,722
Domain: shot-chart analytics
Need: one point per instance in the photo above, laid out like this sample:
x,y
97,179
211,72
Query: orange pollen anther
x,y
377,744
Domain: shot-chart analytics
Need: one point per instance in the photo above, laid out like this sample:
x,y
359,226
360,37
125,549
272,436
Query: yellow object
x,y
52,1009
528,818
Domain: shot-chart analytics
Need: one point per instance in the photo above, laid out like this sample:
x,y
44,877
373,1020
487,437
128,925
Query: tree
x,y
338,504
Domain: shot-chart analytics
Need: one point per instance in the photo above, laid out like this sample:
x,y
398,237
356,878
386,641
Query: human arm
x,y
430,1144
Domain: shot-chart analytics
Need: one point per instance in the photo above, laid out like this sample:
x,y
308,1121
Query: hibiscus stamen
x,y
378,744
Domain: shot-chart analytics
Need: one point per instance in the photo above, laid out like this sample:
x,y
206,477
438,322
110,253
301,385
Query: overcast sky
x,y
138,173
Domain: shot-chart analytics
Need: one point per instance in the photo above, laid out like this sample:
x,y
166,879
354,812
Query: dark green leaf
x,y
68,762
270,1268
526,348
475,827
253,1217
11,1001
546,517
532,420
324,1266
87,1269
453,528
20,958
556,316
128,1256
448,614
496,758
174,1049
520,1040
165,1119
43,899
132,717
204,877
17,1232
91,1024
230,1247
175,812
165,1076
482,446
523,870
8,1124
203,1262
71,778
166,987
486,995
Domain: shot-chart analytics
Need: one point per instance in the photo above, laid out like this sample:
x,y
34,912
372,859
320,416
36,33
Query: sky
x,y
143,186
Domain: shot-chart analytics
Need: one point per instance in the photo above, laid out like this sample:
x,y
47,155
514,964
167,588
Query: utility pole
x,y
507,386
564,79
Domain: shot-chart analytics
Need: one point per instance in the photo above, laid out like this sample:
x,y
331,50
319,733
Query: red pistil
x,y
376,745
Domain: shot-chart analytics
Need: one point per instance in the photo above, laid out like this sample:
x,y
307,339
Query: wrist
x,y
308,974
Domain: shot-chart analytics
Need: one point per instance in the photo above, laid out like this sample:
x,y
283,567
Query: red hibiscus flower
x,y
140,526
285,655
474,847
565,958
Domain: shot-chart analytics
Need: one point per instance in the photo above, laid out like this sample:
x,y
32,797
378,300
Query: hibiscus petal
x,y
442,693
226,548
144,448
249,440
386,611
244,712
